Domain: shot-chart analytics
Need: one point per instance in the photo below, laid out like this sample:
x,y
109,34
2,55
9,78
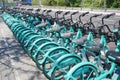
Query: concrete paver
x,y
14,62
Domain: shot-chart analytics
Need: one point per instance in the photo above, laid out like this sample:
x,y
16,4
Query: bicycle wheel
x,y
51,57
82,71
44,48
63,65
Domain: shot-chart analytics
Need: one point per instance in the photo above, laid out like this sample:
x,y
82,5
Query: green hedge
x,y
87,3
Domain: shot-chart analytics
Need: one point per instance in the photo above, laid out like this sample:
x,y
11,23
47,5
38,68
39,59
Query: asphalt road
x,y
113,20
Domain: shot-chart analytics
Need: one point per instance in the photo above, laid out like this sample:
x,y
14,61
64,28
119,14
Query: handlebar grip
x,y
84,13
59,12
119,22
66,12
38,10
29,9
109,15
22,8
96,15
56,11
44,10
74,13
48,11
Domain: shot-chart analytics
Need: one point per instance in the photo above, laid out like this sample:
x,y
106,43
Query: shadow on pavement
x,y
12,52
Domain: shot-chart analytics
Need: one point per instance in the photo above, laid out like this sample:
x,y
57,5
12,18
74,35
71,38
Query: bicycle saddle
x,y
54,29
67,34
95,48
36,23
42,25
113,56
80,41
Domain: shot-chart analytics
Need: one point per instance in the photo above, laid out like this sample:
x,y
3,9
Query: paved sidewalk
x,y
14,62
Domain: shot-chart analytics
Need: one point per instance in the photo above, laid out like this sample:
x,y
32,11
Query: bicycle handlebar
x,y
23,9
109,15
29,9
59,12
75,13
38,10
83,14
66,13
44,10
96,15
48,11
